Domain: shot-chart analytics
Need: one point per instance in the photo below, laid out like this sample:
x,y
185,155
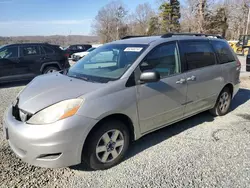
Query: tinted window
x,y
48,50
163,59
72,47
30,50
223,51
9,52
198,54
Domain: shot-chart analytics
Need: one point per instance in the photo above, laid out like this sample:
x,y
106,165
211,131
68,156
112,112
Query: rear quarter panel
x,y
230,73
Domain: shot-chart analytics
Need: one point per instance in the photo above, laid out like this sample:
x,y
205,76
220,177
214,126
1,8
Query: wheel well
x,y
230,87
121,117
51,65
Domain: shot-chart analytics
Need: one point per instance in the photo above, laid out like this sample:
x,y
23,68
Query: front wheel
x,y
223,103
107,145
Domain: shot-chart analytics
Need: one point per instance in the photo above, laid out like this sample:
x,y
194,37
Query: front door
x,y
161,102
204,76
30,61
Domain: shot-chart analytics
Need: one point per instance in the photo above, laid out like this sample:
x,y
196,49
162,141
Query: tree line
x,y
224,17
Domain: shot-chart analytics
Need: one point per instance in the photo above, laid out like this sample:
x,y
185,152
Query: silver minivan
x,y
118,93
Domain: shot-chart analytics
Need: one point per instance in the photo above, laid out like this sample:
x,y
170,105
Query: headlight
x,y
56,112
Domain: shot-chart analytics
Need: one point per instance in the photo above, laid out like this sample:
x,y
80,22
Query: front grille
x,y
15,112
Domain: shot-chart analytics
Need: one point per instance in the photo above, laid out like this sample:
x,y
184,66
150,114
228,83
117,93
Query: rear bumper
x,y
53,145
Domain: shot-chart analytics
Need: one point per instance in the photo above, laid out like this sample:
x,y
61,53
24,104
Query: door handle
x,y
181,81
192,78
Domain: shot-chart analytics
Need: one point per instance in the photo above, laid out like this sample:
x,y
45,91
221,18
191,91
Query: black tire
x,y
50,69
89,154
217,111
248,68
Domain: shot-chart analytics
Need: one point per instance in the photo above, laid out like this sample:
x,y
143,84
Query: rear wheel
x,y
50,69
107,145
223,103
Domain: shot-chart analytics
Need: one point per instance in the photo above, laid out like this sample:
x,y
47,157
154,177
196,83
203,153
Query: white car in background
x,y
77,56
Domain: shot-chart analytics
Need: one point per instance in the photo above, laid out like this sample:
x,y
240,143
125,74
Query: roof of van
x,y
149,39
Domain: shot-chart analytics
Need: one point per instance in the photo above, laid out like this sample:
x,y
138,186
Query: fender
x,y
50,63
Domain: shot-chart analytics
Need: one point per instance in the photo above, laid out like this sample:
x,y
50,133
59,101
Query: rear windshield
x,y
108,62
223,51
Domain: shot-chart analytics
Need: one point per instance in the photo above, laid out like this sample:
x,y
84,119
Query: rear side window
x,y
30,50
48,50
198,54
79,47
223,51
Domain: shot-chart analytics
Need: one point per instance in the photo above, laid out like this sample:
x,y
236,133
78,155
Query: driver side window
x,y
163,59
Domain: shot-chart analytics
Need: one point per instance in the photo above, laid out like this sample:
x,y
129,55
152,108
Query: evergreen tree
x,y
170,16
218,23
153,26
176,15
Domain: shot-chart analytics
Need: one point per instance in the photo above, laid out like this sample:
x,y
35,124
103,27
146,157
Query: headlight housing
x,y
56,112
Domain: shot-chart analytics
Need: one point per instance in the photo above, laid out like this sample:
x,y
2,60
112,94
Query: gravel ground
x,y
201,151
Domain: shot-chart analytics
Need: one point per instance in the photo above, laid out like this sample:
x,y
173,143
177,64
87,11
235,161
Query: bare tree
x,y
109,20
141,17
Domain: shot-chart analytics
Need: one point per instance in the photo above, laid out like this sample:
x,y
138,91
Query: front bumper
x,y
52,145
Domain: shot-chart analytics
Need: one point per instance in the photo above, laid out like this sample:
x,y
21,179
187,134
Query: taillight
x,y
238,63
66,55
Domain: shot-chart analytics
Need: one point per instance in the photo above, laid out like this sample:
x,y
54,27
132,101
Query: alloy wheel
x,y
224,102
109,146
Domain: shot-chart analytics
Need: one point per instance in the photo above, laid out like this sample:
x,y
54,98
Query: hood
x,y
49,89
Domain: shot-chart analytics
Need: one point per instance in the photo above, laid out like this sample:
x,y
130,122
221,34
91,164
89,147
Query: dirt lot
x,y
245,81
201,151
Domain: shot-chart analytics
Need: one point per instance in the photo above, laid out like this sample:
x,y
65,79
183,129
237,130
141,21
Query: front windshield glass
x,y
107,63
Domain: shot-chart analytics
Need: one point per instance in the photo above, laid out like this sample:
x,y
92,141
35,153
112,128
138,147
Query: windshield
x,y
107,63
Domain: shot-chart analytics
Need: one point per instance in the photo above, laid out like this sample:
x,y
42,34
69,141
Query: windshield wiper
x,y
80,77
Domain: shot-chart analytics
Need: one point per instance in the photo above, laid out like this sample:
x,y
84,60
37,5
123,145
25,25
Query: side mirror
x,y
150,76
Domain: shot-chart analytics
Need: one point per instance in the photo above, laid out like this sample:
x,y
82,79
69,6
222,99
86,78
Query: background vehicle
x,y
79,55
25,61
248,62
242,46
77,48
117,94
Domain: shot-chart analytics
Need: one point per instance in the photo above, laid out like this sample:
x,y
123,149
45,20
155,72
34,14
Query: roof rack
x,y
132,36
191,34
